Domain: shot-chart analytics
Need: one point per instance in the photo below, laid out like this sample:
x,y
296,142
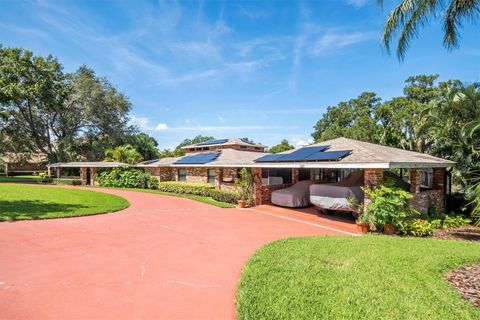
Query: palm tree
x,y
410,15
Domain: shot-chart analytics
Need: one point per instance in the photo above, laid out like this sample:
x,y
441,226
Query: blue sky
x,y
266,70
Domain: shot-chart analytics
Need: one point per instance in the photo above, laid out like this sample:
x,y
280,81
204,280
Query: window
x,y
275,176
182,175
426,178
211,176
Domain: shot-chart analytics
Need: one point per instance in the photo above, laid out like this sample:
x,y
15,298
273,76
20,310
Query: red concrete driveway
x,y
162,258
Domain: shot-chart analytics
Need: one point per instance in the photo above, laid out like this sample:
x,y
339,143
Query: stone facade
x,y
83,176
372,178
257,186
161,173
430,200
414,178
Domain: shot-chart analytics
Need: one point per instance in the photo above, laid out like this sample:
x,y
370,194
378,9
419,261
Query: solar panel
x,y
269,158
328,155
150,161
209,142
199,158
302,153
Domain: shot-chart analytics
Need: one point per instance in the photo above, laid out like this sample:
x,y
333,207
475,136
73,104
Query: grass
x,y
368,277
20,179
27,202
202,199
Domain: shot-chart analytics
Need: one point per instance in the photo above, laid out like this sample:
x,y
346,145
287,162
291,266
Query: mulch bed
x,y
467,233
467,282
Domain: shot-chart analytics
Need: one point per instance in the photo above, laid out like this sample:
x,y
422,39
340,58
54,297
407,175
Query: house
x,y
23,163
219,161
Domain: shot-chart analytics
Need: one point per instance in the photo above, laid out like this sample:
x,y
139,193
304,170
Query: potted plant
x,y
387,206
362,223
244,185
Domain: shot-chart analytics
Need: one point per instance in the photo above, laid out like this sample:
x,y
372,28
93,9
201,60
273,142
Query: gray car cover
x,y
295,196
339,195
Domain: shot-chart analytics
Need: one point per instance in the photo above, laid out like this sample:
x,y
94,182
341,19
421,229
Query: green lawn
x,y
25,202
20,179
368,277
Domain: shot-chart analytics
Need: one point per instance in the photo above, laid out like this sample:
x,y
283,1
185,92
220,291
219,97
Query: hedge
x,y
199,189
68,182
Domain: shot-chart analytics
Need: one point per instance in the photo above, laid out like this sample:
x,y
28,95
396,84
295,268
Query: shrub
x,y
123,178
225,196
455,221
68,182
199,189
152,183
245,186
388,205
415,227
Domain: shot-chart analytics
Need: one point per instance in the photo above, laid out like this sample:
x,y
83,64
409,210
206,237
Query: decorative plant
x,y
474,196
244,185
387,205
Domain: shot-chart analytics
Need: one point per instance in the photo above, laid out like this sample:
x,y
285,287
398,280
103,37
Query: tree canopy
x,y
63,115
284,145
405,20
440,118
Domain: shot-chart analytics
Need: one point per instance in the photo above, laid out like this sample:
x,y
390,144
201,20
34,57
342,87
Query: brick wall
x,y
422,201
162,174
414,179
257,186
197,175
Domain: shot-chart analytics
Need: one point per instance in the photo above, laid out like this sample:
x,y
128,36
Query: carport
x,y
87,169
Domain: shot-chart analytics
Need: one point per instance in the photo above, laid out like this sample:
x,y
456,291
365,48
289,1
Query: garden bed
x,y
466,233
466,280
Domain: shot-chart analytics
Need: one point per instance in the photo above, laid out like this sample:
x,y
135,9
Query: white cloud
x,y
145,124
161,127
298,143
335,40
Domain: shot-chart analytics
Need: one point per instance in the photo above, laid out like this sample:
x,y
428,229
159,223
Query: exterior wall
x,y
294,175
429,200
372,178
414,179
235,147
257,186
161,173
83,175
197,175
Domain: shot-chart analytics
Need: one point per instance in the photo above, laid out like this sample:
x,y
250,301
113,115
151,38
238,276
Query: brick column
x,y
439,178
218,178
58,171
92,173
414,180
294,175
83,176
372,178
257,186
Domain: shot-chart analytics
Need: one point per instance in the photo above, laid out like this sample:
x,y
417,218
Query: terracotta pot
x,y
242,204
364,227
389,229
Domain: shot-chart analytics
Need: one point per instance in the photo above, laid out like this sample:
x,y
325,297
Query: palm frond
x,y
457,11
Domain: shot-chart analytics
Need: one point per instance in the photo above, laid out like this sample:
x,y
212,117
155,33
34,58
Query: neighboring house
x,y
219,161
23,163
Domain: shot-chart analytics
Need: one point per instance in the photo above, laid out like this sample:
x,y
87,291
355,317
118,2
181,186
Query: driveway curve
x,y
161,258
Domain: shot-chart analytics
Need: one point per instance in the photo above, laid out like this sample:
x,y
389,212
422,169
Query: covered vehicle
x,y
343,195
295,196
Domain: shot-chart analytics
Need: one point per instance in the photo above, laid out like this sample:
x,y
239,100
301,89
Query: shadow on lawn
x,y
28,209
